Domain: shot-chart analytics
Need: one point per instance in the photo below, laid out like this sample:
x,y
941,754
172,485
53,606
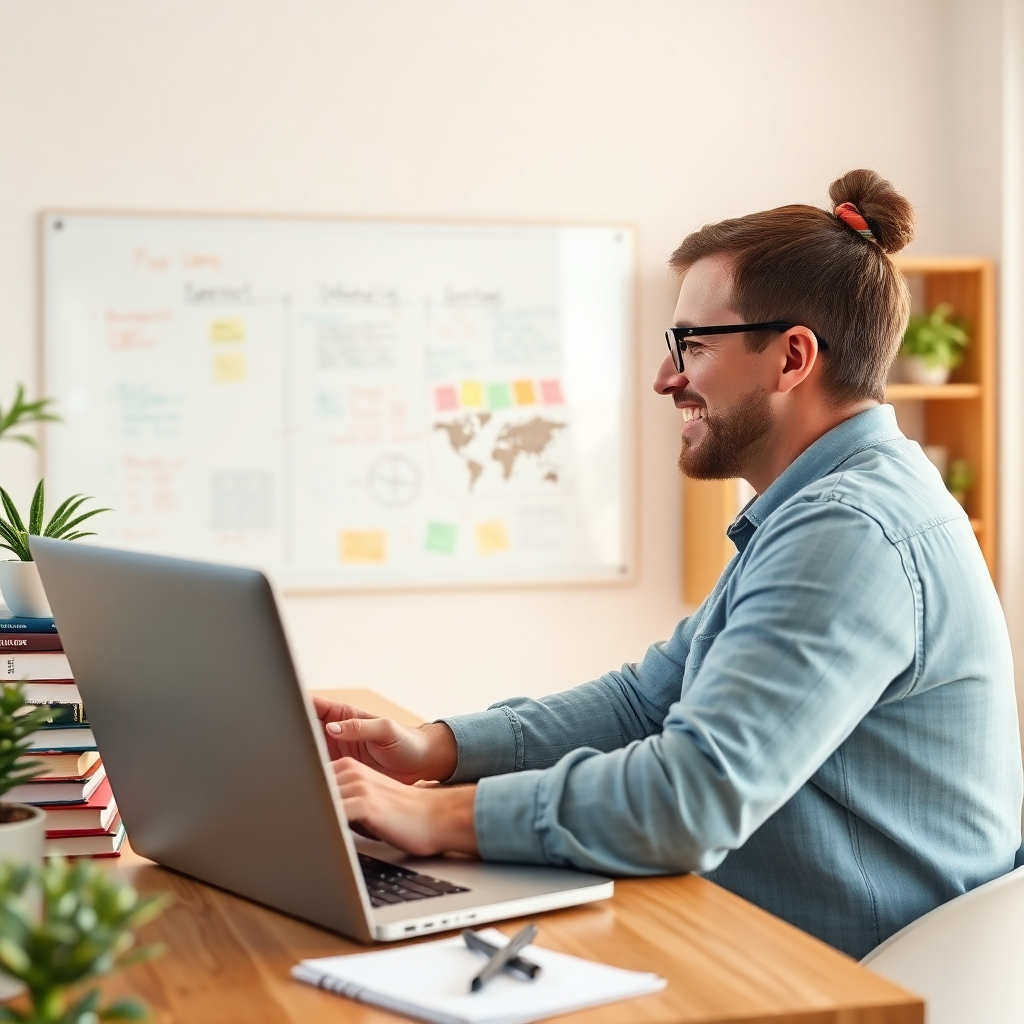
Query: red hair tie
x,y
852,218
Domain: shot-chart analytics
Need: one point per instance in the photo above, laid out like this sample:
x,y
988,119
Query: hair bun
x,y
890,216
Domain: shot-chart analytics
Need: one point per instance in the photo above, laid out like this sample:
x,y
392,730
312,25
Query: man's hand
x,y
421,820
408,755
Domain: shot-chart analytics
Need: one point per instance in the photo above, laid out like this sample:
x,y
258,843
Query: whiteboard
x,y
347,403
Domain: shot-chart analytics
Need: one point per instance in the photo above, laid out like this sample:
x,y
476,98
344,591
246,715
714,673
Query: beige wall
x,y
664,114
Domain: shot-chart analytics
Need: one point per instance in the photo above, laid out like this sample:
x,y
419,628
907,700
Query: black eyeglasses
x,y
676,337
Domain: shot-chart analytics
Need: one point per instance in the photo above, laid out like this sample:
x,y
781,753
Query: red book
x,y
30,642
95,815
89,843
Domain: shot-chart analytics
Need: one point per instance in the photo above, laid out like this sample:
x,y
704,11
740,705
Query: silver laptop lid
x,y
211,747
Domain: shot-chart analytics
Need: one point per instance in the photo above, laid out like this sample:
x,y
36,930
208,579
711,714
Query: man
x,y
833,734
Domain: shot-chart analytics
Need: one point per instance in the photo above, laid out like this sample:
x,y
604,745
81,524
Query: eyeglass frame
x,y
675,337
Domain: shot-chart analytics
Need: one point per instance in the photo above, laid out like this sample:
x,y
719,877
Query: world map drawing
x,y
481,440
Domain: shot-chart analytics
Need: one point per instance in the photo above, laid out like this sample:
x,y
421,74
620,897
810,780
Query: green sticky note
x,y
499,396
441,538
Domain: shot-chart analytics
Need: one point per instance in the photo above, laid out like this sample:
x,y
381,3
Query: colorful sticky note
x,y
229,367
472,394
445,398
551,392
491,537
525,392
227,330
441,538
363,546
499,396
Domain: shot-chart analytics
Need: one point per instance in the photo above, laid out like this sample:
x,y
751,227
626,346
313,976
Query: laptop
x,y
219,764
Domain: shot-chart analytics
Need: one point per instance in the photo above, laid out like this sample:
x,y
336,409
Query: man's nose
x,y
668,378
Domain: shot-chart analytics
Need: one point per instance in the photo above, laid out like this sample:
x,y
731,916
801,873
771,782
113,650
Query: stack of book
x,y
82,819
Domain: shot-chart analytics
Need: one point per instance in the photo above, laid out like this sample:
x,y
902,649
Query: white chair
x,y
966,958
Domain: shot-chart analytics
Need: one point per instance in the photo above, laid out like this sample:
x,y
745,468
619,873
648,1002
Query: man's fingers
x,y
332,710
364,730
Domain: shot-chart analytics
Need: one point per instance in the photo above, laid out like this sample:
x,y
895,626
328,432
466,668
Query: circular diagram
x,y
394,481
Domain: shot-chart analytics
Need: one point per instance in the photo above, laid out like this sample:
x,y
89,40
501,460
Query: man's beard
x,y
724,450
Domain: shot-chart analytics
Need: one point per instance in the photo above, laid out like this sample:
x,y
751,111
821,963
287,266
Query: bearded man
x,y
833,734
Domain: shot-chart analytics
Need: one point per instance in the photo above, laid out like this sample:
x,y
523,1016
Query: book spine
x,y
16,624
50,666
62,715
22,642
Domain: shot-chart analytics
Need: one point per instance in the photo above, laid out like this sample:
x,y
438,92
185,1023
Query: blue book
x,y
17,624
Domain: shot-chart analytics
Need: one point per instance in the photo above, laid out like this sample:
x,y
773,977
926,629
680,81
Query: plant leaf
x,y
124,1009
15,543
35,512
65,527
11,510
66,509
79,535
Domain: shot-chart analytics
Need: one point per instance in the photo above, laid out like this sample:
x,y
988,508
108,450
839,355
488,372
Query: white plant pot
x,y
23,590
917,371
21,842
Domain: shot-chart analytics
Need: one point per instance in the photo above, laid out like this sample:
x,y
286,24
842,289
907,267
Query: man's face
x,y
722,391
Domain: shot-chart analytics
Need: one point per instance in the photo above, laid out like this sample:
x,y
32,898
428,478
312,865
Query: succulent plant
x,y
83,930
14,534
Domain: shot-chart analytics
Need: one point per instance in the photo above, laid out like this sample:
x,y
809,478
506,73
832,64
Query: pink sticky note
x,y
551,392
445,398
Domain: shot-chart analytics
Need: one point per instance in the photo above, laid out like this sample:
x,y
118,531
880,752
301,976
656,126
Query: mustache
x,y
686,395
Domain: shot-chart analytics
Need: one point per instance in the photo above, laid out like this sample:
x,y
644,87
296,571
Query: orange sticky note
x,y
525,392
491,537
363,546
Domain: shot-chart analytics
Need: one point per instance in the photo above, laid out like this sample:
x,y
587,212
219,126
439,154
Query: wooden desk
x,y
725,960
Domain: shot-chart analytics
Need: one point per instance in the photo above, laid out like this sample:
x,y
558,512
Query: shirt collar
x,y
871,427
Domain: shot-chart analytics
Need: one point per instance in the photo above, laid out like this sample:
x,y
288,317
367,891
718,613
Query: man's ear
x,y
800,353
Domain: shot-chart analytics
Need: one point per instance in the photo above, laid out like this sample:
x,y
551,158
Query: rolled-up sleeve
x,y
523,734
816,631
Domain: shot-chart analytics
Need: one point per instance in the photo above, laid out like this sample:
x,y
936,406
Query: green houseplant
x,y
933,345
22,413
21,827
19,579
83,929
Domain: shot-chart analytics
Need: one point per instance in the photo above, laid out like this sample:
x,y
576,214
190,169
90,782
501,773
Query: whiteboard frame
x,y
631,451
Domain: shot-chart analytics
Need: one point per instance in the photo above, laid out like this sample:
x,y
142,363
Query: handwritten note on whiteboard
x,y
347,403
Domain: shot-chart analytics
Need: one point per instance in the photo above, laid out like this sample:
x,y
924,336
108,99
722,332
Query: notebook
x,y
431,981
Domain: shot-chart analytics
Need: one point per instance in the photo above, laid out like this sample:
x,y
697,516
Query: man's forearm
x,y
453,819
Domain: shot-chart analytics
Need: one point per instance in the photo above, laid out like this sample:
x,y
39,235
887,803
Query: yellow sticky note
x,y
227,330
525,392
491,536
472,394
364,546
229,367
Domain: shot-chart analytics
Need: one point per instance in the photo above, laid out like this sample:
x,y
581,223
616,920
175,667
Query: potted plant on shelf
x,y
21,827
83,929
19,578
959,479
932,346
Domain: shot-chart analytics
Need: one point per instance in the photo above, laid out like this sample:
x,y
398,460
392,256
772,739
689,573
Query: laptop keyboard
x,y
389,883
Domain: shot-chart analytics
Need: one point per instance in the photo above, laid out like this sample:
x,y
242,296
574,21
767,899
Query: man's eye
x,y
694,346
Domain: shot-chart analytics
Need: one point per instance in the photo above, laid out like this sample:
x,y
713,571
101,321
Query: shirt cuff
x,y
505,814
489,743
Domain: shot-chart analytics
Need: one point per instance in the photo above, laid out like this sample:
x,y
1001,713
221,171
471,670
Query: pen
x,y
527,968
500,959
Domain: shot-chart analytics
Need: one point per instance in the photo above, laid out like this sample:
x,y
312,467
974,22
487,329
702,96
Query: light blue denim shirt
x,y
832,735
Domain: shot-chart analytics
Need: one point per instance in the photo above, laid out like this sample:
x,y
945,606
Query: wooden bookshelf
x,y
960,416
